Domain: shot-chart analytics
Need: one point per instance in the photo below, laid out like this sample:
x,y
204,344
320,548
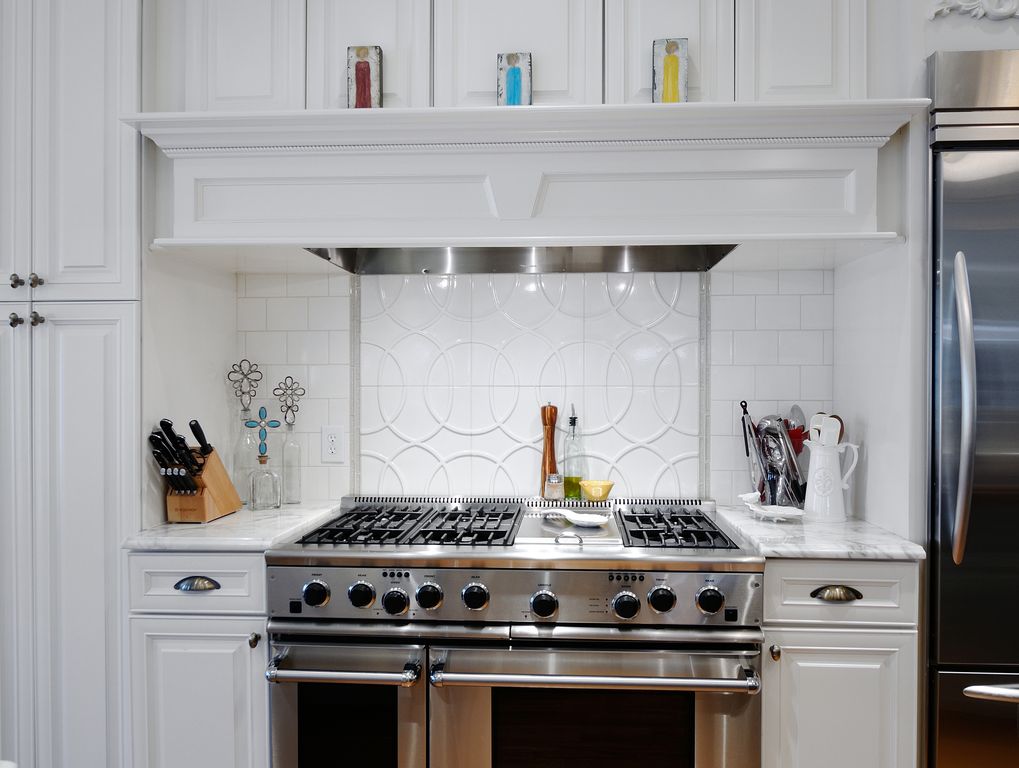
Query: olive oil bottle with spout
x,y
573,459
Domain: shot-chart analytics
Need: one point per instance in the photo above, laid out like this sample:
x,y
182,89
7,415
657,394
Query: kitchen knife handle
x,y
199,433
968,411
159,446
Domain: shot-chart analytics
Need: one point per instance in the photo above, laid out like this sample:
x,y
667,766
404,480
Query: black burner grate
x,y
370,524
670,527
469,524
473,524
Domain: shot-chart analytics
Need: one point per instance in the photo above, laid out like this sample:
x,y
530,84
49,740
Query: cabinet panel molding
x,y
563,36
402,28
15,144
631,26
790,50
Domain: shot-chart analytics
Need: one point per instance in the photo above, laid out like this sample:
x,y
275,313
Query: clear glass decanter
x,y
574,469
291,467
245,456
264,486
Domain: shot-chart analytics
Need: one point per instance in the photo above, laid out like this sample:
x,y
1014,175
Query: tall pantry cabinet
x,y
69,348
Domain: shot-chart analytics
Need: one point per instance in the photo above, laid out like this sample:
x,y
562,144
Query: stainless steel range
x,y
493,632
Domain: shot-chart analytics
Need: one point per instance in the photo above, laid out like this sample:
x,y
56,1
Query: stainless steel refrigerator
x,y
974,533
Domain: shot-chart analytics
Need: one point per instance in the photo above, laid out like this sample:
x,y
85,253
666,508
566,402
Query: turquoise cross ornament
x,y
262,425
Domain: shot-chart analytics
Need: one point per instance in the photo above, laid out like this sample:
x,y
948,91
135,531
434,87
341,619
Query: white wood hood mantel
x,y
696,173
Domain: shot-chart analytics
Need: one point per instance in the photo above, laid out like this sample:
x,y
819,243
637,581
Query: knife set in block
x,y
215,497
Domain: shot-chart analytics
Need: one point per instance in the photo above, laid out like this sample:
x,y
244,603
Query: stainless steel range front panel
x,y
584,597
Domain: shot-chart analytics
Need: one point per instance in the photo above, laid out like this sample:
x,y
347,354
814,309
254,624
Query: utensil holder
x,y
215,498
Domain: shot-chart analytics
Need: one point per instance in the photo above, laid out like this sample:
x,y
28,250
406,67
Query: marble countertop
x,y
850,540
242,531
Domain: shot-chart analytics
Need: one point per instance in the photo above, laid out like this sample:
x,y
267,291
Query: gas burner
x,y
473,524
670,527
370,524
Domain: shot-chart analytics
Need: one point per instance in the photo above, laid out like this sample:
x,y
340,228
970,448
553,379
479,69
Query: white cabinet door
x,y
15,539
244,54
631,26
15,142
84,160
840,699
85,465
789,50
564,38
403,28
199,693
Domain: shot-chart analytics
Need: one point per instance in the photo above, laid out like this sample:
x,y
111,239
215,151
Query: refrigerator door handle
x,y
1007,694
968,414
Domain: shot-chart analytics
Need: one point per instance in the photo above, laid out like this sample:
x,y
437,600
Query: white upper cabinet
x,y
632,25
15,136
224,55
402,28
801,50
564,38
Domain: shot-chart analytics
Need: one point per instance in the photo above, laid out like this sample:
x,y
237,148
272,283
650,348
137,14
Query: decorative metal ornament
x,y
263,425
244,376
289,392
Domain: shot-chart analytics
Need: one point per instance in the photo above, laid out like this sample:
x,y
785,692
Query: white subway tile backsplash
x,y
266,347
750,347
329,381
339,285
801,281
829,282
801,347
721,347
733,313
733,382
329,313
777,382
264,285
307,285
721,283
290,314
251,315
339,347
755,283
816,382
818,312
777,313
309,347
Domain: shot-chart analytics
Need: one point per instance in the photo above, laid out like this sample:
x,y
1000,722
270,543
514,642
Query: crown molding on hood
x,y
541,176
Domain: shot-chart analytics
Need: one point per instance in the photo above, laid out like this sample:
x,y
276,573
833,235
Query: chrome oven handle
x,y
1008,694
749,684
968,414
408,678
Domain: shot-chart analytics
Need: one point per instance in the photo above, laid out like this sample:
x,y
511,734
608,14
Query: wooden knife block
x,y
216,496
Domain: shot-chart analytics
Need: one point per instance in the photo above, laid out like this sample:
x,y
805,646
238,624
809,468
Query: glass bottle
x,y
245,457
291,467
265,486
573,461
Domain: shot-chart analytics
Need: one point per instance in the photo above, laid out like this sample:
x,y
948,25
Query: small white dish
x,y
775,512
583,519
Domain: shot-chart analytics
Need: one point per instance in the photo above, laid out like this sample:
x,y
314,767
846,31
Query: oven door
x,y
373,695
531,707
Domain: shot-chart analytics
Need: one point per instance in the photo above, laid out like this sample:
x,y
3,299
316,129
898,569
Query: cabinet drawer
x,y
241,580
888,592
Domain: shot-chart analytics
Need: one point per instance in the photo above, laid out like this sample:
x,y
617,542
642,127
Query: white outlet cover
x,y
334,444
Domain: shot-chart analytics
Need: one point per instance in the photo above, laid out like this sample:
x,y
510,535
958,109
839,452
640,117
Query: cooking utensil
x,y
785,483
830,430
203,445
842,427
795,417
752,447
548,466
815,425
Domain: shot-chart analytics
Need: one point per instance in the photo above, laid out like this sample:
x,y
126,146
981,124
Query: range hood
x,y
463,260
608,188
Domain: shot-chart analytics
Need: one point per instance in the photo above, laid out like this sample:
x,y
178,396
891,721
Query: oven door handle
x,y
407,678
749,683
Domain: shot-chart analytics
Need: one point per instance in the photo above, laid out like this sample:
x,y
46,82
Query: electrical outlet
x,y
334,447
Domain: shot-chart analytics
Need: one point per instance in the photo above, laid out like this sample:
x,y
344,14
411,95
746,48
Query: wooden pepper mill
x,y
548,466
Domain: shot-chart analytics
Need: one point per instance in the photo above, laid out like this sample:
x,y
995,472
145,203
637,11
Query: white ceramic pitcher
x,y
825,483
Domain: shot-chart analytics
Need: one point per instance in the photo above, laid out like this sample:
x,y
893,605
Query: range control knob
x,y
395,602
544,604
709,600
475,596
661,599
361,594
429,596
626,605
315,593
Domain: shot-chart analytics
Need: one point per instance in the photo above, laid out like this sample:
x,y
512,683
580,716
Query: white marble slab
x,y
242,531
851,540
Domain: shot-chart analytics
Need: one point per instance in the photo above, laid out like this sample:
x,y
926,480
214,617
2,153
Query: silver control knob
x,y
315,593
395,602
709,600
626,605
361,594
475,596
544,603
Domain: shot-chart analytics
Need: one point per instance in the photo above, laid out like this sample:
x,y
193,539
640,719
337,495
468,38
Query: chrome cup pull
x,y
14,320
16,280
196,584
35,281
836,593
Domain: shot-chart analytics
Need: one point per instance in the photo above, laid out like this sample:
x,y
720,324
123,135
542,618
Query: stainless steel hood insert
x,y
461,260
